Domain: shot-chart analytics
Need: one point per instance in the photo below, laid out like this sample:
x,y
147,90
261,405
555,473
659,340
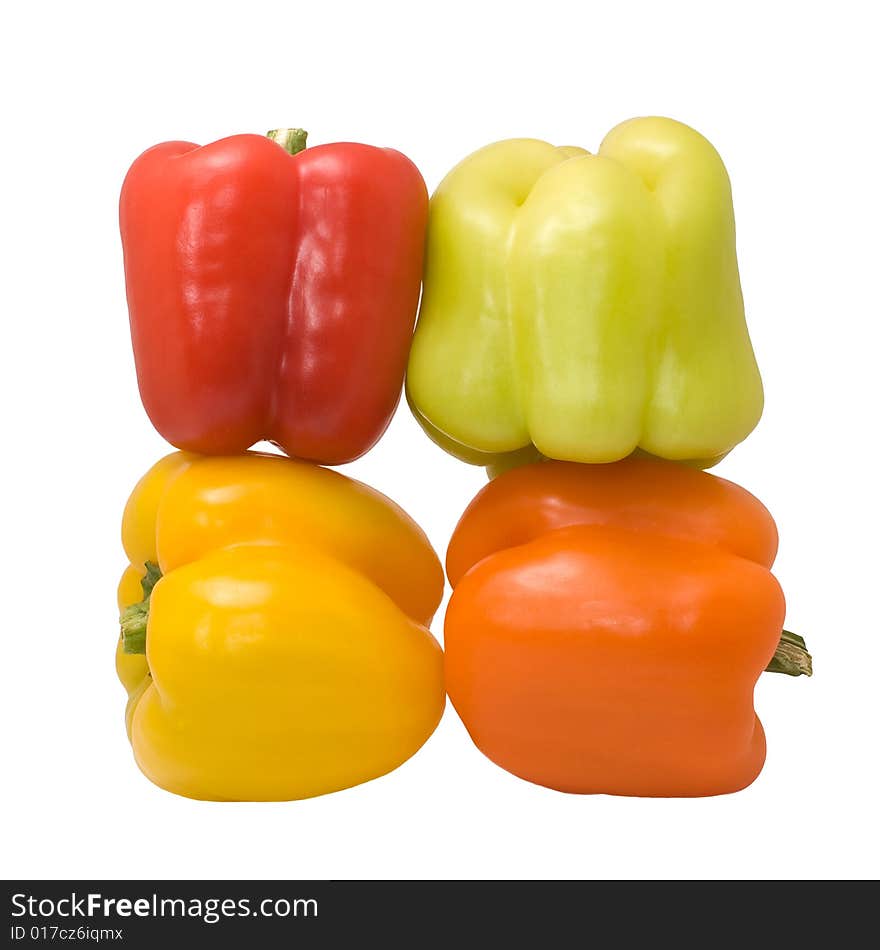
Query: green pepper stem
x,y
291,140
791,656
133,619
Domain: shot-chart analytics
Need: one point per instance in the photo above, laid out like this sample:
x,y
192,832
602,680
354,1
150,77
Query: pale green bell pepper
x,y
582,306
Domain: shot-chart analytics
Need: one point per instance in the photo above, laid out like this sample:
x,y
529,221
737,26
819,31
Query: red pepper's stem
x,y
133,619
291,140
791,656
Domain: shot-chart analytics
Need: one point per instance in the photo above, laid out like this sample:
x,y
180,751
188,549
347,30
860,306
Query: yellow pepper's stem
x,y
791,656
133,619
291,140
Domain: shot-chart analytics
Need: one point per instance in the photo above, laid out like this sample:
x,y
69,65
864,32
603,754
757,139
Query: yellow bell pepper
x,y
283,651
581,306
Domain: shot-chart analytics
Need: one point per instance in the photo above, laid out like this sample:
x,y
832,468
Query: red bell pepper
x,y
272,292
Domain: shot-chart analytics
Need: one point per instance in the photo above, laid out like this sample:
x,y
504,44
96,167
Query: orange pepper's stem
x,y
291,140
133,619
791,656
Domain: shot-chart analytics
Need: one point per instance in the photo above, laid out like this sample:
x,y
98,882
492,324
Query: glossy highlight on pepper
x,y
282,649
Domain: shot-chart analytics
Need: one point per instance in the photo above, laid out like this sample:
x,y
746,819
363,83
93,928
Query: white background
x,y
787,93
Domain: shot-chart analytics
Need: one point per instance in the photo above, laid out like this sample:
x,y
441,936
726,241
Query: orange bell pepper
x,y
608,624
